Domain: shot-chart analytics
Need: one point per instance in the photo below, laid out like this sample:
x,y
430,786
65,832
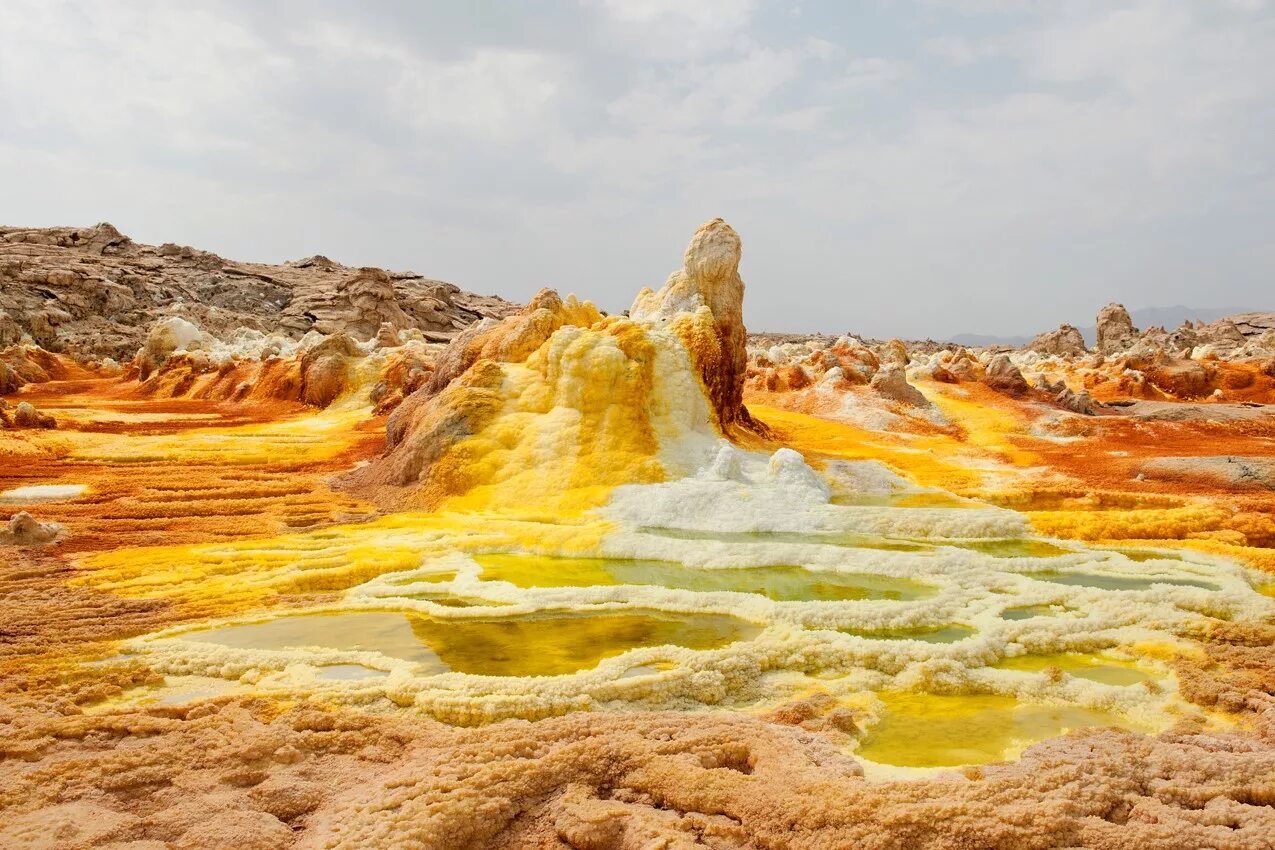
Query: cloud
x,y
671,28
932,168
730,91
706,15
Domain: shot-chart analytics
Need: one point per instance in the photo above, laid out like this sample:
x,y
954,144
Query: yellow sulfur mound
x,y
560,403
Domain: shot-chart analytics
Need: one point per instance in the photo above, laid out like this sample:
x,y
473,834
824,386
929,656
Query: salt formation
x,y
166,337
704,303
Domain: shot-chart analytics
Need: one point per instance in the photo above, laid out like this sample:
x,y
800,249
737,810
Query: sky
x,y
911,168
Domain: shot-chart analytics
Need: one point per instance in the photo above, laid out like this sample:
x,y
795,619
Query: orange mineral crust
x,y
407,575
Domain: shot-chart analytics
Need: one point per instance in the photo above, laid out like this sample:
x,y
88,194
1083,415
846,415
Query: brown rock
x,y
1004,377
1080,402
1184,338
1181,378
325,370
10,332
10,380
1115,329
1147,352
94,293
1228,472
1067,341
1253,324
387,336
893,353
242,830
26,416
891,382
1224,335
287,799
40,326
957,366
25,530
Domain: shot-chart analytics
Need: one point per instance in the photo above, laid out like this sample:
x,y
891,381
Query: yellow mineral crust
x,y
558,403
583,413
236,575
817,619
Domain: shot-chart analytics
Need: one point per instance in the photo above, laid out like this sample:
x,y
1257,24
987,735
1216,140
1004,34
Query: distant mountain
x,y
980,340
1143,318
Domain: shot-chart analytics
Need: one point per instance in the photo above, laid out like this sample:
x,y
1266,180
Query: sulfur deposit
x,y
338,566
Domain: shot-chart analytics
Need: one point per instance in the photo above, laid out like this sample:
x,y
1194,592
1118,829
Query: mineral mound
x,y
317,557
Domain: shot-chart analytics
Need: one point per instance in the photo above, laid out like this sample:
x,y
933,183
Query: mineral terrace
x,y
321,557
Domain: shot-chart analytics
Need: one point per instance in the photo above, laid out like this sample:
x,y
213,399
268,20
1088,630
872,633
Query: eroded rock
x,y
708,281
387,336
892,382
325,369
1004,377
10,331
25,415
1077,402
94,293
25,530
1228,472
1115,329
1067,341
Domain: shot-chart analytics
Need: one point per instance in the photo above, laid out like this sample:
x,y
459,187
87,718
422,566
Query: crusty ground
x,y
248,773
245,774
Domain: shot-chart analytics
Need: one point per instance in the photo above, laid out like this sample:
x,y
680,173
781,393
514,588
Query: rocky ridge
x,y
93,292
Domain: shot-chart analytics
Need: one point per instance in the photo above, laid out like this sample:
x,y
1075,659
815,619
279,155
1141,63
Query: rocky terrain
x,y
94,293
1231,360
318,557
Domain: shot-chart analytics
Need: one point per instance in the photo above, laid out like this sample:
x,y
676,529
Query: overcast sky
x,y
894,168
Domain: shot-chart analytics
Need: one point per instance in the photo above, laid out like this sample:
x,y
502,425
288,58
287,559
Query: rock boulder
x,y
1115,329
